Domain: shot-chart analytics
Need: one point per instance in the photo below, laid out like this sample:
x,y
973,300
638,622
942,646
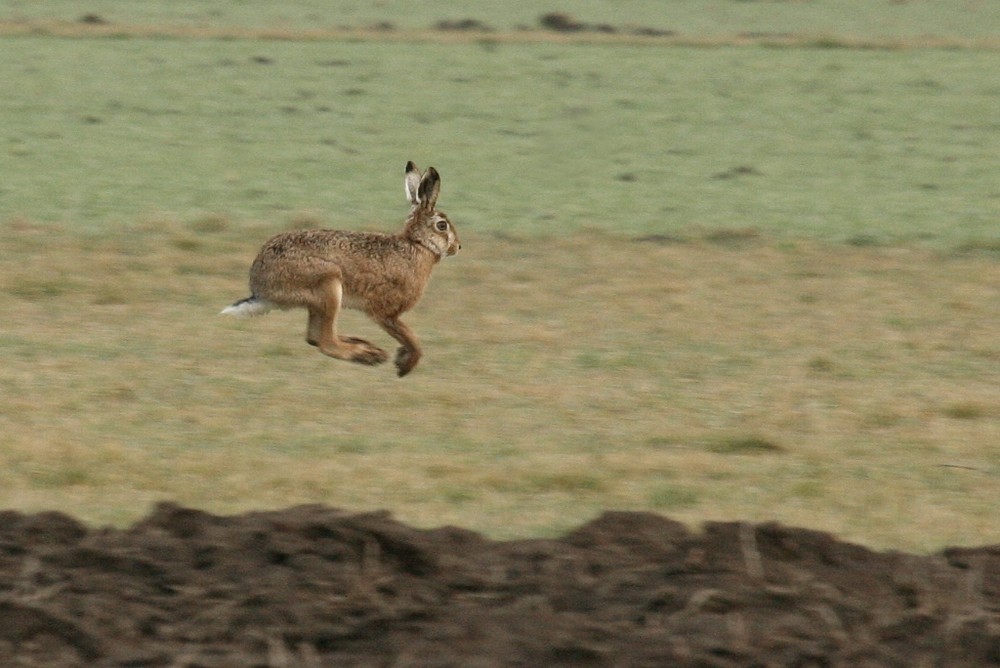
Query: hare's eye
x,y
441,226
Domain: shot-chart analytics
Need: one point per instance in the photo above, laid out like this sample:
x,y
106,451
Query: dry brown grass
x,y
843,388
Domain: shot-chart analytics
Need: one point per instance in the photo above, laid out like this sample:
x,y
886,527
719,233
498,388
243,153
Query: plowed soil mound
x,y
313,586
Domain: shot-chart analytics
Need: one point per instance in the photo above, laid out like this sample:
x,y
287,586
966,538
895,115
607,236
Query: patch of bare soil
x,y
313,586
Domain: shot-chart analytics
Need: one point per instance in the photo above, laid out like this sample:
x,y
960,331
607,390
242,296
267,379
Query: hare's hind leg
x,y
409,353
322,330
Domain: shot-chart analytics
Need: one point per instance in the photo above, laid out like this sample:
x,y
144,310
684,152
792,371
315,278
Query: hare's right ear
x,y
429,188
412,183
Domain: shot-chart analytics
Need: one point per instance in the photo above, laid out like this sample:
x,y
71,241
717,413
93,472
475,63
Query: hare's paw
x,y
366,353
355,341
406,359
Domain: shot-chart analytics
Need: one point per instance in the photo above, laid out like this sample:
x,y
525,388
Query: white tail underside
x,y
248,308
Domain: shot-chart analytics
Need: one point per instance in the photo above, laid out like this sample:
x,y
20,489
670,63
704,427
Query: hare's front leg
x,y
409,353
314,330
322,330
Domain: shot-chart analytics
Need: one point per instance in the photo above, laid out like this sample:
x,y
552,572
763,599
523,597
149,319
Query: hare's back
x,y
301,256
329,245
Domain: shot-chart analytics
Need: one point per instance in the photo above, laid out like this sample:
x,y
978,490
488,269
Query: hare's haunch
x,y
383,275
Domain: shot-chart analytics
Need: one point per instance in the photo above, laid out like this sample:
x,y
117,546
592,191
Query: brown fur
x,y
383,275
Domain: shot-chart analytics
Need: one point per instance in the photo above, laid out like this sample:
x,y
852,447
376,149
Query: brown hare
x,y
383,275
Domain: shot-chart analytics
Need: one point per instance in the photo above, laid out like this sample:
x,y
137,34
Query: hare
x,y
383,275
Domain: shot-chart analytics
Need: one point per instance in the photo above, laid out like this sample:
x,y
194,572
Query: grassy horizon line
x,y
100,29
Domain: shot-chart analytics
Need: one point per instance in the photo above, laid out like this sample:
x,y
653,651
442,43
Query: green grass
x,y
885,146
864,18
719,282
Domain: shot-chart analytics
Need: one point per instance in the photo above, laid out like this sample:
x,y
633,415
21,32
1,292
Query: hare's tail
x,y
248,308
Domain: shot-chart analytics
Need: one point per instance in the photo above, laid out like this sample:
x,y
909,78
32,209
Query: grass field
x,y
877,19
838,144
728,282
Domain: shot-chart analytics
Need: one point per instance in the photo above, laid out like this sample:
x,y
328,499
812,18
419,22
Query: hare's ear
x,y
412,183
430,187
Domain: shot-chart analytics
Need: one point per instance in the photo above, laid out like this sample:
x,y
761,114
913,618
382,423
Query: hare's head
x,y
425,225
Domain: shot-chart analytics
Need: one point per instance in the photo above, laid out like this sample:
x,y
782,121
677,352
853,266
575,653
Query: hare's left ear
x,y
429,189
411,182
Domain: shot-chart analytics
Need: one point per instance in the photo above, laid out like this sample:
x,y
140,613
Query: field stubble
x,y
850,389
